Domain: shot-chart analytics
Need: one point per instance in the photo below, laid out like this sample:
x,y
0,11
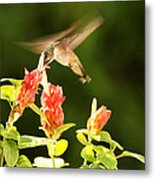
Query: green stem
x,y
53,161
10,122
89,140
112,148
119,156
84,162
51,152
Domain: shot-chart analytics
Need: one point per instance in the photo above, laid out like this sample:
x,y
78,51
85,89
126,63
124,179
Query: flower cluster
x,y
28,89
51,101
98,119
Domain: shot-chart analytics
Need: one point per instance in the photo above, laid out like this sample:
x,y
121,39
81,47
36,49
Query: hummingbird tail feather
x,y
85,79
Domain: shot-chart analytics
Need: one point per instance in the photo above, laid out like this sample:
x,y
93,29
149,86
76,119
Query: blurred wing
x,y
40,44
35,47
76,39
73,36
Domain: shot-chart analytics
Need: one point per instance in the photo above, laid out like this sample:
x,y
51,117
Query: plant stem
x,y
53,161
84,162
51,152
89,140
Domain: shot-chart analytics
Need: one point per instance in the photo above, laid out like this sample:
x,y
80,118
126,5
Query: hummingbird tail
x,y
85,79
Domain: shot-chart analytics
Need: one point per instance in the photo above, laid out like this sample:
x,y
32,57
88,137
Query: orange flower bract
x,y
51,101
98,120
28,89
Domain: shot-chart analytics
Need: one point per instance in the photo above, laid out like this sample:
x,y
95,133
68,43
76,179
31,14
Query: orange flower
x,y
51,101
98,118
28,89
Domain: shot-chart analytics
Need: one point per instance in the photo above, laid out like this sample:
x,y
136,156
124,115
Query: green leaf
x,y
102,136
116,144
85,166
7,93
85,131
43,162
23,161
51,149
82,139
60,147
31,141
11,152
2,130
12,133
108,160
97,166
133,155
87,153
64,127
36,109
15,82
1,153
100,149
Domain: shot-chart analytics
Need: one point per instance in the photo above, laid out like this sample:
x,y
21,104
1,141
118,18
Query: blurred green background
x,y
113,56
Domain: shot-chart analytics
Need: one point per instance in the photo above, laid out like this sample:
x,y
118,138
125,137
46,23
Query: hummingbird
x,y
60,46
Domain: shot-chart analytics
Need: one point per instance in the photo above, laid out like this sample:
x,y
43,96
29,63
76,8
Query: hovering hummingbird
x,y
60,46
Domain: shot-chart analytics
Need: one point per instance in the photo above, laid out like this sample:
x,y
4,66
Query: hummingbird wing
x,y
73,36
78,37
40,44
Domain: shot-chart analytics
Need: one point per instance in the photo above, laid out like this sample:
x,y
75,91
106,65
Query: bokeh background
x,y
113,56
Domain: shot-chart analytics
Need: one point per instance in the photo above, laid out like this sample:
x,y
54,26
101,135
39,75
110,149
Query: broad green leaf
x,y
82,139
108,160
133,155
85,131
15,82
116,144
31,141
57,148
23,161
85,166
1,153
36,109
60,147
100,149
64,127
7,92
87,153
11,152
12,133
102,136
2,130
43,162
97,166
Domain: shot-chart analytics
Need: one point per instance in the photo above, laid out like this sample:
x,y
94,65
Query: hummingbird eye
x,y
48,56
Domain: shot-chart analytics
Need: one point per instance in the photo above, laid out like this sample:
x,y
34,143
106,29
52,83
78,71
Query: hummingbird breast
x,y
63,54
66,57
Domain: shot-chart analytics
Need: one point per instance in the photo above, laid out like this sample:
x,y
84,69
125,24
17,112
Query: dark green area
x,y
113,56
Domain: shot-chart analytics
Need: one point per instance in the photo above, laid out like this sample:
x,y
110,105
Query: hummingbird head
x,y
48,55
